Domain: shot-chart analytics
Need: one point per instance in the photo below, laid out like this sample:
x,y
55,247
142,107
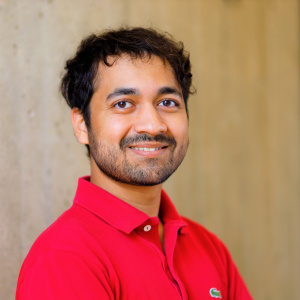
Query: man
x,y
123,238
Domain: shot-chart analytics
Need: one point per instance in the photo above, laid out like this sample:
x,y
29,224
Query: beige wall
x,y
242,173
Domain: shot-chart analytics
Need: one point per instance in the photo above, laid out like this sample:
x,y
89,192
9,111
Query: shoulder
x,y
67,248
73,232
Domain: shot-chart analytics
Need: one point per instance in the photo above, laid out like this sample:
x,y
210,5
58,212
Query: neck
x,y
144,198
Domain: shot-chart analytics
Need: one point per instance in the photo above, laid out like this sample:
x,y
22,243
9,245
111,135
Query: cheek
x,y
179,129
111,128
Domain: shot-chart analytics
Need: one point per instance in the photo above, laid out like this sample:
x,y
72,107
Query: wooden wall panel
x,y
241,176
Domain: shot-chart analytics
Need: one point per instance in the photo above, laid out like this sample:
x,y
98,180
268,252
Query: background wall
x,y
242,173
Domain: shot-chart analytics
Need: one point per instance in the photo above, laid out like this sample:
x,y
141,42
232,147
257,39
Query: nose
x,y
149,121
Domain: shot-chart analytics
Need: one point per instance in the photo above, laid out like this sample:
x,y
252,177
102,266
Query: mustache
x,y
161,138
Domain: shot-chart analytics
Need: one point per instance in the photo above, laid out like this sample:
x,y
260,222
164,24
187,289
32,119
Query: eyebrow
x,y
122,91
132,91
169,90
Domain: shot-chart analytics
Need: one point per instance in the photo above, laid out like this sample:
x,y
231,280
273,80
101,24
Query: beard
x,y
114,163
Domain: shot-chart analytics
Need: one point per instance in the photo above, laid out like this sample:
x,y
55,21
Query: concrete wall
x,y
242,173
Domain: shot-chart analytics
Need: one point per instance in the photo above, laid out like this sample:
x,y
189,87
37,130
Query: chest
x,y
185,270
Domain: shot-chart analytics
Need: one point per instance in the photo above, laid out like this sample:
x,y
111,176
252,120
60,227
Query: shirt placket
x,y
171,235
149,231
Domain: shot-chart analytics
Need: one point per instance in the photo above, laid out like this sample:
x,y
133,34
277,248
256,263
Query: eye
x,y
168,103
123,104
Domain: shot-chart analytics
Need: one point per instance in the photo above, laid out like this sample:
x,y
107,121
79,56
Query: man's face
x,y
139,127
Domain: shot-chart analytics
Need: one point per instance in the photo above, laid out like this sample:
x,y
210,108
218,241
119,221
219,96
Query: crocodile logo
x,y
215,293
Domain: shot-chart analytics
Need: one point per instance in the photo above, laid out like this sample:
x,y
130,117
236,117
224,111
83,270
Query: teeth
x,y
145,149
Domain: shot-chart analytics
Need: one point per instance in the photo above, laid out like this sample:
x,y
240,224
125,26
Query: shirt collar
x,y
118,213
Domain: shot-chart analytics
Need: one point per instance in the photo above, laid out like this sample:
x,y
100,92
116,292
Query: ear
x,y
79,126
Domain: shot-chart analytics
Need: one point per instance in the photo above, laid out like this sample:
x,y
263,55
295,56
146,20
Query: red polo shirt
x,y
103,248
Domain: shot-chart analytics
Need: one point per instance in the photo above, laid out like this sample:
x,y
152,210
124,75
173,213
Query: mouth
x,y
149,150
144,143
146,149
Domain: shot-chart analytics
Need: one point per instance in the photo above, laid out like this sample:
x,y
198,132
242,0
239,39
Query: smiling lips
x,y
146,149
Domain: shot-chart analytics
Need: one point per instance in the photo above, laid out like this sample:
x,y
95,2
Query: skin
x,y
135,97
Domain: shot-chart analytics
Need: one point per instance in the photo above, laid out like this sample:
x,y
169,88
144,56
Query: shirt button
x,y
147,228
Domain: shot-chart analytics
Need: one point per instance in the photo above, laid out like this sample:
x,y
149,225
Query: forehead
x,y
126,70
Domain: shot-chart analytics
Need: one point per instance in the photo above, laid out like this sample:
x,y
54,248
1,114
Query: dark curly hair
x,y
80,80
